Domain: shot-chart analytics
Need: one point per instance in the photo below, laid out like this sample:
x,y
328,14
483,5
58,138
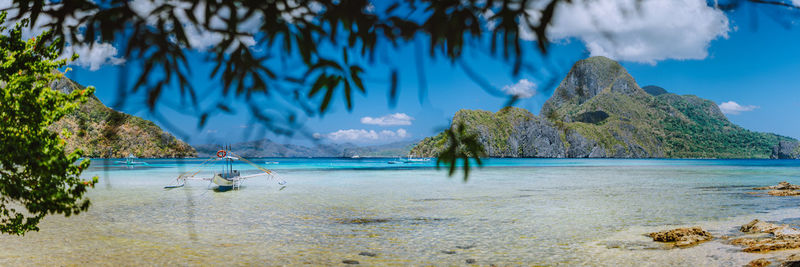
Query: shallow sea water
x,y
511,212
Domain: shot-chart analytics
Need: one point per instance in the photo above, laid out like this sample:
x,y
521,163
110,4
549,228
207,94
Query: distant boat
x,y
412,159
130,161
355,157
271,162
409,159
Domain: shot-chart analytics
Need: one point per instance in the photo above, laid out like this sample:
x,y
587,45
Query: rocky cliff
x,y
511,132
599,110
103,132
786,150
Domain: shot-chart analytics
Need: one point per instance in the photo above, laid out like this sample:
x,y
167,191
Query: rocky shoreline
x,y
782,189
757,236
682,237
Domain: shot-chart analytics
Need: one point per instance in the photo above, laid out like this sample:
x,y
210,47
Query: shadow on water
x,y
476,198
190,227
726,187
218,189
416,220
434,199
531,190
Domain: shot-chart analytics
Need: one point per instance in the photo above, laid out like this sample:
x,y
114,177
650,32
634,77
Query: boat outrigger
x,y
131,161
410,159
227,178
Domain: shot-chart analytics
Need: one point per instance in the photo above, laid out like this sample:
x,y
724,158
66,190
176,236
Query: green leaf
x,y
331,87
355,71
46,180
347,96
393,89
321,81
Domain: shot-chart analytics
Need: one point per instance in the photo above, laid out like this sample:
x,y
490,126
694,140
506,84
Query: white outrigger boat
x,y
410,159
131,161
227,178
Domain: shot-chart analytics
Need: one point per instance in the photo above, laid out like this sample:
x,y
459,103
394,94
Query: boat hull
x,y
223,183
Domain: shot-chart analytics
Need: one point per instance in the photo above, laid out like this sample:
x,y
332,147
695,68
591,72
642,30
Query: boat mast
x,y
225,163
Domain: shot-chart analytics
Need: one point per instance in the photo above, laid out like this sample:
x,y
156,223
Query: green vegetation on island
x,y
101,132
709,134
598,110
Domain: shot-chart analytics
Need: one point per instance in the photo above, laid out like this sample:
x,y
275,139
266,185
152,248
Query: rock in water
x,y
782,189
368,254
783,193
781,186
769,244
758,226
682,236
761,262
782,237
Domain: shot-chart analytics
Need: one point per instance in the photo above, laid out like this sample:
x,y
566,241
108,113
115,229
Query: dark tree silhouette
x,y
293,31
334,43
303,51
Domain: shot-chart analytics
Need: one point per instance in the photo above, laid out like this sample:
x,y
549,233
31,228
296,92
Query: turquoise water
x,y
510,212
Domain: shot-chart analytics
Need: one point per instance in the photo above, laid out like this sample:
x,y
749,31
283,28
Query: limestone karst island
x,y
400,133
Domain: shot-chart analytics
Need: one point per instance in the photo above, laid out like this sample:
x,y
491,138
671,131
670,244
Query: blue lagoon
x,y
510,212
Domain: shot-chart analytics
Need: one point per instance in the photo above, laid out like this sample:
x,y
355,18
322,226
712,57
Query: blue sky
x,y
744,56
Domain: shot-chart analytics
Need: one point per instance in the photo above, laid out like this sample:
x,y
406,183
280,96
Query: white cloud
x,y
362,135
106,54
95,56
198,39
521,89
639,31
99,54
389,120
733,108
400,133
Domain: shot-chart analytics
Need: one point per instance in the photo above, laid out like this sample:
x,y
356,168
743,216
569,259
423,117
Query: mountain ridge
x,y
268,148
102,132
598,110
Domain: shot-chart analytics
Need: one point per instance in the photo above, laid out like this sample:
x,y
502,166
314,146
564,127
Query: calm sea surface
x,y
510,212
